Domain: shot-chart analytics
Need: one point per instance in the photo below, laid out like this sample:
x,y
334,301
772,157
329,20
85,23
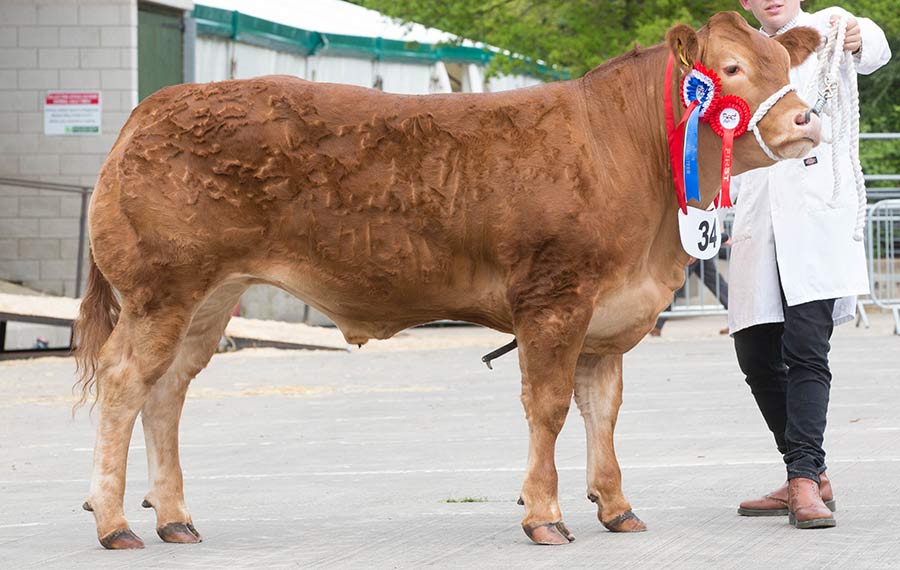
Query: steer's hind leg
x,y
137,353
548,349
598,393
162,412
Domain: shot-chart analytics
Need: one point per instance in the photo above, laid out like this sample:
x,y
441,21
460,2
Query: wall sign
x,y
72,113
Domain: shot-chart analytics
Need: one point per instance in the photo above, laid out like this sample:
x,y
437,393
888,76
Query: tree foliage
x,y
577,35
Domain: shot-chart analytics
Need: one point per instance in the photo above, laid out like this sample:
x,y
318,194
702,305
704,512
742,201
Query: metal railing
x,y
883,253
85,192
706,285
705,289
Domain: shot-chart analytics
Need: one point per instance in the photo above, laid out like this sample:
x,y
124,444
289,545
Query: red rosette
x,y
729,111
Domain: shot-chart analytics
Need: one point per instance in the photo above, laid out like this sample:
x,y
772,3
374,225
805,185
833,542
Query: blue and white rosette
x,y
701,85
699,88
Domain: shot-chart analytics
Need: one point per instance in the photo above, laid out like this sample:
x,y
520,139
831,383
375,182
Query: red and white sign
x,y
72,113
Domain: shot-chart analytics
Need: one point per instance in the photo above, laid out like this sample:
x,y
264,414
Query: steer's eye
x,y
732,69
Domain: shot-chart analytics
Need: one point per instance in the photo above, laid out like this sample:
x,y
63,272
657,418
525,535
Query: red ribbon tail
x,y
727,145
674,136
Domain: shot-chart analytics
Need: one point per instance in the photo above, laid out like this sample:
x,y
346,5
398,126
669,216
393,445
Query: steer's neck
x,y
624,102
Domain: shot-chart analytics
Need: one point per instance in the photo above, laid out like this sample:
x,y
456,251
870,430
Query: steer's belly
x,y
625,315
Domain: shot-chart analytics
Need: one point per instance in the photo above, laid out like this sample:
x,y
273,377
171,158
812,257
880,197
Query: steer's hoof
x,y
626,522
549,533
121,539
181,533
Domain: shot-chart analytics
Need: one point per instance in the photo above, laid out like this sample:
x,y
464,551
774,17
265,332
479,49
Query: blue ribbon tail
x,y
691,178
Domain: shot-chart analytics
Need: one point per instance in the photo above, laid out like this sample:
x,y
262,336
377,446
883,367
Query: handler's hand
x,y
852,39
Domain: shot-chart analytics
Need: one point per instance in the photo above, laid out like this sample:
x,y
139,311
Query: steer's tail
x,y
96,319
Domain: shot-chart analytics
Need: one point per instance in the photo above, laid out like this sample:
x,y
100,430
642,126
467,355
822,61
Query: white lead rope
x,y
844,114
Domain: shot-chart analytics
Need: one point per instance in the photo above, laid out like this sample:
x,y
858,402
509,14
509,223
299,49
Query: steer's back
x,y
358,201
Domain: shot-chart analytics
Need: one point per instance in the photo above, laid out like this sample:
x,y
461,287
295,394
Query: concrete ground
x,y
301,459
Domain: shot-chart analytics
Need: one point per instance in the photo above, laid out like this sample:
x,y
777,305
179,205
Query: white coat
x,y
785,223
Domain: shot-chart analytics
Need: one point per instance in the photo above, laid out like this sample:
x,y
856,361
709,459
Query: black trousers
x,y
786,365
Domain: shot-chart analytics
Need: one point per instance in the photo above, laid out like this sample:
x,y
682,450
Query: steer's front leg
x,y
548,350
598,393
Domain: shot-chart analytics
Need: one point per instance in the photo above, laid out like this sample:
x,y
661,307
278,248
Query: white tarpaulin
x,y
350,70
213,59
219,59
473,79
253,61
413,79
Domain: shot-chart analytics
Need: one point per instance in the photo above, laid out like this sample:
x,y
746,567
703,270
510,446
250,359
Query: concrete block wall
x,y
56,45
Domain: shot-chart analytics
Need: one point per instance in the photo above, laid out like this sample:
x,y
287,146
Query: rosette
x,y
729,112
728,118
702,85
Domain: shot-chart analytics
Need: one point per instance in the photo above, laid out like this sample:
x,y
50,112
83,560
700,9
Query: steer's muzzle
x,y
809,126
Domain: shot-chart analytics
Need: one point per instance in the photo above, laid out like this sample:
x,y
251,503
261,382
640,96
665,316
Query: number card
x,y
699,232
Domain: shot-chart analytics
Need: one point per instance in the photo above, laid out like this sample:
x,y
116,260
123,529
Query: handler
x,y
795,273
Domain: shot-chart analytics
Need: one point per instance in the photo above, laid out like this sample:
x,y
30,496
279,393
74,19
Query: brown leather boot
x,y
805,506
776,503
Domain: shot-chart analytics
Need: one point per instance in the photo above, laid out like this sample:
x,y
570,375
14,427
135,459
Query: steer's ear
x,y
799,42
683,43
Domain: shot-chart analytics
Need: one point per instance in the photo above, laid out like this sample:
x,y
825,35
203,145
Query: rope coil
x,y
844,113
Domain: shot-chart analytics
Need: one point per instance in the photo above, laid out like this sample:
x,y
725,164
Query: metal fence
x,y
705,289
883,252
85,192
706,286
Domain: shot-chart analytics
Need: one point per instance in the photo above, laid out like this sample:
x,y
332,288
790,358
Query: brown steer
x,y
546,212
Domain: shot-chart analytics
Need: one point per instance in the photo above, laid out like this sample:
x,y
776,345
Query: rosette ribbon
x,y
675,136
700,89
701,84
691,176
729,118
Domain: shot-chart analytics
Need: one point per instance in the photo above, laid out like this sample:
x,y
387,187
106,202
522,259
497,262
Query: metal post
x,y
190,46
82,223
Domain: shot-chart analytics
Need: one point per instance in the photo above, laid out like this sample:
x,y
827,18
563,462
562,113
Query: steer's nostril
x,y
801,119
813,129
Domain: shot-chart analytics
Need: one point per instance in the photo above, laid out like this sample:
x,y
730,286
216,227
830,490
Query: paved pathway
x,y
350,460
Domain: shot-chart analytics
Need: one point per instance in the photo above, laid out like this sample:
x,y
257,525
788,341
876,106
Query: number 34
x,y
708,234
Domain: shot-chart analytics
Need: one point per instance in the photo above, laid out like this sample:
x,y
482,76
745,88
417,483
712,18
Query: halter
x,y
761,112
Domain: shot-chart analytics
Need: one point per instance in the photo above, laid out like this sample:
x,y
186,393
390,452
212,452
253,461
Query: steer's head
x,y
754,67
